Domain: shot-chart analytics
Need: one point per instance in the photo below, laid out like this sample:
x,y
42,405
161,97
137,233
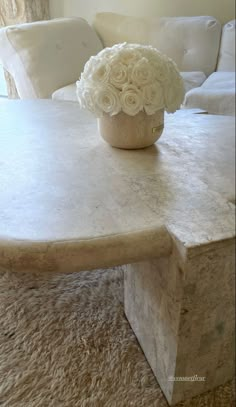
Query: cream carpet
x,y
65,342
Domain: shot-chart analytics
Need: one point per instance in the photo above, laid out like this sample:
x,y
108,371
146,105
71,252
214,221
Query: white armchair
x,y
45,56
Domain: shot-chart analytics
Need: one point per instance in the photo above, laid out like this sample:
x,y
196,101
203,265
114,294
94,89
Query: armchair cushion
x,y
44,56
67,93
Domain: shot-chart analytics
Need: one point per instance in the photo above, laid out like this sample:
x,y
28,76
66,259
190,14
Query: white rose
x,y
142,73
106,97
90,66
174,95
172,72
131,100
118,73
106,53
153,97
160,71
174,88
96,69
100,73
149,52
86,96
128,56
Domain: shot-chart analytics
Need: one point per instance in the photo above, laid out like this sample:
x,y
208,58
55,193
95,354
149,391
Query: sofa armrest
x,y
192,79
226,61
216,95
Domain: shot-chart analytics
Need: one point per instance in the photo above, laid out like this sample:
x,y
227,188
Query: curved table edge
x,y
84,254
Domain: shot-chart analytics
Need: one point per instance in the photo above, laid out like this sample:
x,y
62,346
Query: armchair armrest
x,y
47,55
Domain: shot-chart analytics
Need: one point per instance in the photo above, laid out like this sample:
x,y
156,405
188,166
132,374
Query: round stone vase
x,y
131,132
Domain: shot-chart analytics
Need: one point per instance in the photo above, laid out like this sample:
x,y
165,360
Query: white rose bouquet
x,y
130,78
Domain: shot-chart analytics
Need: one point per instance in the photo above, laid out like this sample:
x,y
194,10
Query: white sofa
x,y
217,93
204,53
46,58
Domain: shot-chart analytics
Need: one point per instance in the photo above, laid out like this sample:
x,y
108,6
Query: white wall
x,y
223,10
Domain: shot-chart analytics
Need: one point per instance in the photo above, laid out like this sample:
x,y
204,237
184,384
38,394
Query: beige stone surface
x,y
182,310
67,195
70,202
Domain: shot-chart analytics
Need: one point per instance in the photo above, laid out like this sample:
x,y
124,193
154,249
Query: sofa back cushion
x,y
226,60
192,42
46,55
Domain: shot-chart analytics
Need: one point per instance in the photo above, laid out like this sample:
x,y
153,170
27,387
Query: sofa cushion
x,y
226,60
216,95
192,79
67,93
192,42
46,55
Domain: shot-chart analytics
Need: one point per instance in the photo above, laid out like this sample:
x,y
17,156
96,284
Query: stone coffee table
x,y
69,202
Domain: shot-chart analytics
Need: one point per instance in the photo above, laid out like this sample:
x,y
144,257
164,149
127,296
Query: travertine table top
x,y
69,201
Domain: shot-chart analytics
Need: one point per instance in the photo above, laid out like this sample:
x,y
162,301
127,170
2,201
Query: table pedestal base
x,y
181,310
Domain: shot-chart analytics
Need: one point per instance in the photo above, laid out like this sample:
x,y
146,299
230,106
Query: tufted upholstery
x,y
192,42
47,55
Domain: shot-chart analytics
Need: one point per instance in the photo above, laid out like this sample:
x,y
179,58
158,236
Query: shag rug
x,y
65,342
